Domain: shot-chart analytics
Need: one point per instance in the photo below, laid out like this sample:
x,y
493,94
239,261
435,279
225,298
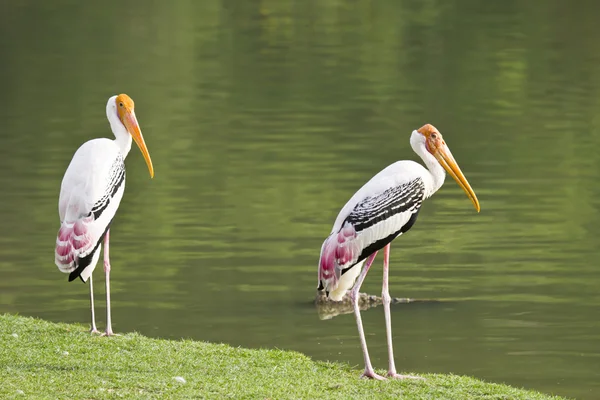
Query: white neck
x,y
436,173
122,137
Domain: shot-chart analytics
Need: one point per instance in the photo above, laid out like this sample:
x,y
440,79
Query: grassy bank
x,y
39,359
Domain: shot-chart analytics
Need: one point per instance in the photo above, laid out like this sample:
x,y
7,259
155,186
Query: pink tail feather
x,y
337,253
72,242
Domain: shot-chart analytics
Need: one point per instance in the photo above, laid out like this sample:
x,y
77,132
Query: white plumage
x,y
90,194
384,208
94,181
394,175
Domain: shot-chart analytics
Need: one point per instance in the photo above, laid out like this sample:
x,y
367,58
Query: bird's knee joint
x,y
385,298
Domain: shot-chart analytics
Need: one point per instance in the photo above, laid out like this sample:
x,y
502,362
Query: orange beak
x,y
446,160
132,126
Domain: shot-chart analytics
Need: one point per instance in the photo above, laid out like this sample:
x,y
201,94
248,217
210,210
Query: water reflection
x,y
262,119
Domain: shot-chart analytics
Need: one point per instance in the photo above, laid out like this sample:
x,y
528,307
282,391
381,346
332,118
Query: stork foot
x,y
370,374
109,332
400,376
94,331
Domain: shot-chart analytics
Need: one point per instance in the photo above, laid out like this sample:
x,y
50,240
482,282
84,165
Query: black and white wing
x,y
90,195
384,208
379,219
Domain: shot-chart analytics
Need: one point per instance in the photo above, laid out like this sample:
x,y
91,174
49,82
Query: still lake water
x,y
262,119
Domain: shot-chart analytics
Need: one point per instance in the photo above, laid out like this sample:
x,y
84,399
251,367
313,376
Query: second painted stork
x,y
90,193
384,208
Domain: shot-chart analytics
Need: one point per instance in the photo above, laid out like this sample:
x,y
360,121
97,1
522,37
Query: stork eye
x,y
433,136
121,104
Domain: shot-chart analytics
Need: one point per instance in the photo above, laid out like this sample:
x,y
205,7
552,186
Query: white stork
x,y
384,208
90,194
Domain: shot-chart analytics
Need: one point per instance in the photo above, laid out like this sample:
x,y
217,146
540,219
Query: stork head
x,y
435,144
122,107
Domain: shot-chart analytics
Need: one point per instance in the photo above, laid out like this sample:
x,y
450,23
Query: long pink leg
x,y
93,330
369,372
385,296
109,331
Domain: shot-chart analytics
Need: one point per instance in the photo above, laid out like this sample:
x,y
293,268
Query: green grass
x,y
39,359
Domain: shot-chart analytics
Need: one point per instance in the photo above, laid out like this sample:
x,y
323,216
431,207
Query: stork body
x,y
384,208
91,191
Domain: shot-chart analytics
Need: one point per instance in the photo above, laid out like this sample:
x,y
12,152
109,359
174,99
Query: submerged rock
x,y
327,308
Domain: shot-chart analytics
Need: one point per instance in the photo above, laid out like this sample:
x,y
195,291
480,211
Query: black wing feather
x,y
398,199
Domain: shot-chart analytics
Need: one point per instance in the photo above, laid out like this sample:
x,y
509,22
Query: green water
x,y
262,119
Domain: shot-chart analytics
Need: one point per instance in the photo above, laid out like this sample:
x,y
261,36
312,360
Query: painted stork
x,y
384,208
90,194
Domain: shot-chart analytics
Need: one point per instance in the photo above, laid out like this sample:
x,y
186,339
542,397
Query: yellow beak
x,y
131,123
446,160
